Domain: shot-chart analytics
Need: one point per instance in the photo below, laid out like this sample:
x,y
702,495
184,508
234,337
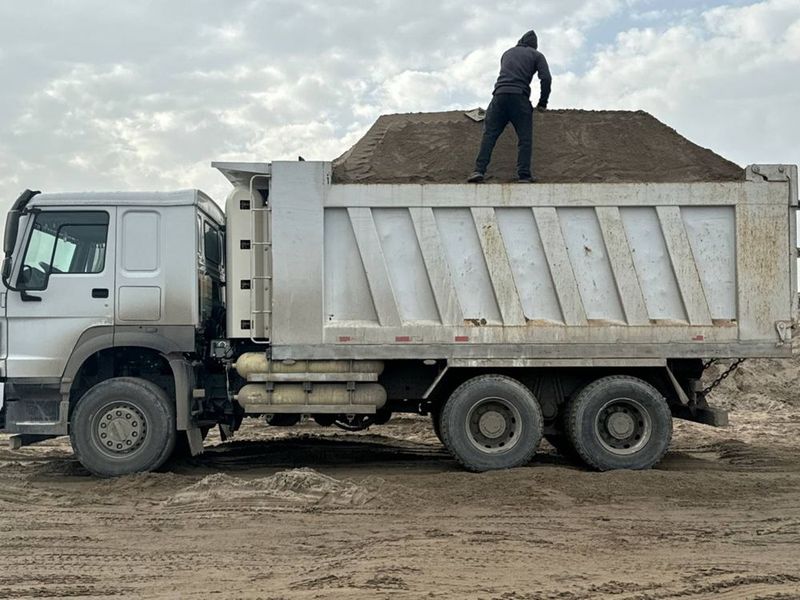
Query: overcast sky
x,y
144,94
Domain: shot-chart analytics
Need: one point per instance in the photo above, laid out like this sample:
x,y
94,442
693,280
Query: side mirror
x,y
6,273
9,241
12,230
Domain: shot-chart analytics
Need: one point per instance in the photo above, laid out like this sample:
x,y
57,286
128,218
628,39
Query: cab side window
x,y
64,243
212,242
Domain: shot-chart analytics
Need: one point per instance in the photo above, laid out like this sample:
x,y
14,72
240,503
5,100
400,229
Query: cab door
x,y
65,278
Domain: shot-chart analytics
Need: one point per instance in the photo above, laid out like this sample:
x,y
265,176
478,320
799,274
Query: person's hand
x,y
540,108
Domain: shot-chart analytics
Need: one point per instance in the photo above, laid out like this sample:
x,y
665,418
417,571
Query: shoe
x,y
527,180
476,177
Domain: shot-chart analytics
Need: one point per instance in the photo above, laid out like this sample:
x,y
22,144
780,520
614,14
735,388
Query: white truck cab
x,y
99,286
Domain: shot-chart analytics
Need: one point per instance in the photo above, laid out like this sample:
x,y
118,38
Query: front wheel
x,y
491,422
123,425
620,422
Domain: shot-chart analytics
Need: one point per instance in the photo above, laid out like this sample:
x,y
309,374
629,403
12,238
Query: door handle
x,y
100,293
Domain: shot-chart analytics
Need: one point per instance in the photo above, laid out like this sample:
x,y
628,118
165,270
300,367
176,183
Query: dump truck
x,y
583,313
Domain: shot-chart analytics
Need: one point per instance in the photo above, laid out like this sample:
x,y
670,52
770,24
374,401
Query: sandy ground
x,y
315,513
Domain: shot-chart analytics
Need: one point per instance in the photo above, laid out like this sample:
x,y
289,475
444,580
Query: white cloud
x,y
724,78
142,94
145,95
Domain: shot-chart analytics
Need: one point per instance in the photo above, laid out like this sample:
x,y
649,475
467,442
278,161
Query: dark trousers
x,y
505,108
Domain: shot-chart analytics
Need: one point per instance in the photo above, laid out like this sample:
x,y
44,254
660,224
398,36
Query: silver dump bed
x,y
522,272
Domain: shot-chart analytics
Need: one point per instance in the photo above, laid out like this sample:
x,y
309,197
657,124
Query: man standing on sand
x,y
511,103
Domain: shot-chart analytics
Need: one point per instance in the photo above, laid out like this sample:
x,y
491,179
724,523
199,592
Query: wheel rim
x,y
494,425
623,426
119,429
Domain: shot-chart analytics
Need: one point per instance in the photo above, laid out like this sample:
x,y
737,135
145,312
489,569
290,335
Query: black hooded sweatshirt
x,y
519,65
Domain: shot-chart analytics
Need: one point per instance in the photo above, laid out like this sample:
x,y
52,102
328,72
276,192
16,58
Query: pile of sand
x,y
305,486
569,146
765,385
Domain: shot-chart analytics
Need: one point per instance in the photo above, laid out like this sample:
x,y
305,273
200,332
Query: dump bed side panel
x,y
583,270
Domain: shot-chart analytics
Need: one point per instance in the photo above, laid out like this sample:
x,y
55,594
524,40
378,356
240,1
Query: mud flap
x,y
195,438
715,417
184,382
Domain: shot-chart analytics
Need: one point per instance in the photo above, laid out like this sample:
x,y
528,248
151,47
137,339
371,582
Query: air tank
x,y
321,394
257,363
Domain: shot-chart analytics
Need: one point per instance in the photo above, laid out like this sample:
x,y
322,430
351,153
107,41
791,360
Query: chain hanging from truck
x,y
725,374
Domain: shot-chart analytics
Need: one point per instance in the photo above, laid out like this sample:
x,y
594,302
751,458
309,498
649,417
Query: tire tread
x,y
449,407
158,460
573,416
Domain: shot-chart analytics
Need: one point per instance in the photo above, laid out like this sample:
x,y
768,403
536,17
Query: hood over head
x,y
530,39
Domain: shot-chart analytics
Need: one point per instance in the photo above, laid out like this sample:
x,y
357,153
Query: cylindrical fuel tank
x,y
257,363
324,394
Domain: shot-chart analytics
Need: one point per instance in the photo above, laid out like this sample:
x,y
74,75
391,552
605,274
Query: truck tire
x,y
492,422
123,425
620,422
436,422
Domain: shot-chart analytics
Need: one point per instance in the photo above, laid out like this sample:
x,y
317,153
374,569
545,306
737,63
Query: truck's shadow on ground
x,y
318,452
371,452
377,452
315,452
380,454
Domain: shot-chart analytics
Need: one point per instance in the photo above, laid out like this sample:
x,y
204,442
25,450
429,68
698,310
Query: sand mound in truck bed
x,y
569,146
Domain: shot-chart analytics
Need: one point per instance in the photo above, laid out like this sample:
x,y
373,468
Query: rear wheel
x,y
620,422
436,421
491,422
123,425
